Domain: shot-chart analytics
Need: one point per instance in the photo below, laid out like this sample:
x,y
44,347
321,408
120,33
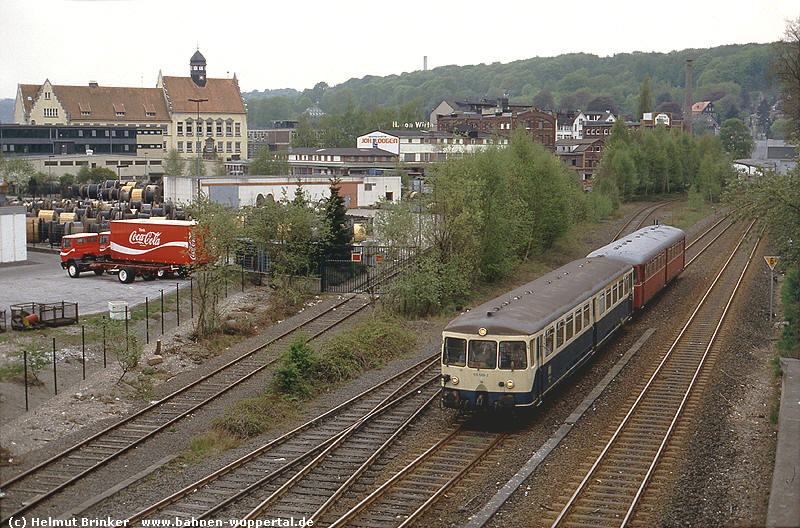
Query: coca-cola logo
x,y
148,238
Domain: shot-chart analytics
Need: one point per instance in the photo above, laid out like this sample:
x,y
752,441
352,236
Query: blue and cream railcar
x,y
512,350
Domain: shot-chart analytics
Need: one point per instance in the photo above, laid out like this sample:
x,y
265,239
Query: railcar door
x,y
538,386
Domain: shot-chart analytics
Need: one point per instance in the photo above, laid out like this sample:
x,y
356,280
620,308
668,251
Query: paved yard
x,y
41,279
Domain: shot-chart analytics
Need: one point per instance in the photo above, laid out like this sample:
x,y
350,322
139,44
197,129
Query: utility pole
x,y
198,128
687,101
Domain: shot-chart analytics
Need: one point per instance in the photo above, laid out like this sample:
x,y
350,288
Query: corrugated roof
x,y
223,95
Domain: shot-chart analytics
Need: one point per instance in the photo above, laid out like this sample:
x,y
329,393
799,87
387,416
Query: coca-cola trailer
x,y
148,248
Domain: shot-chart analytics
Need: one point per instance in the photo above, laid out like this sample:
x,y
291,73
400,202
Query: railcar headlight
x,y
510,384
454,380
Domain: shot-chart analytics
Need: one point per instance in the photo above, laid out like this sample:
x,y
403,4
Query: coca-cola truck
x,y
148,248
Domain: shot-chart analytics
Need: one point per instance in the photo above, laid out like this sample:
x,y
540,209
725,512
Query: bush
x,y
292,377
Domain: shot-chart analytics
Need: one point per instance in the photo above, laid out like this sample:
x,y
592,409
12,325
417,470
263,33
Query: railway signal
x,y
771,261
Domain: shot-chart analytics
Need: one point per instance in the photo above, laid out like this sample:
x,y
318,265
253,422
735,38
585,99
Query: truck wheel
x,y
126,275
148,276
98,272
73,270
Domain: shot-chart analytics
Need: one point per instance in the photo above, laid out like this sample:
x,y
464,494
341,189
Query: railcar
x,y
512,350
657,254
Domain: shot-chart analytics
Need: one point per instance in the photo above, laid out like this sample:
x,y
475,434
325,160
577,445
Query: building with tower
x,y
192,114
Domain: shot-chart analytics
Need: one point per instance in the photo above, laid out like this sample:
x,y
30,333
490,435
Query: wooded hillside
x,y
734,76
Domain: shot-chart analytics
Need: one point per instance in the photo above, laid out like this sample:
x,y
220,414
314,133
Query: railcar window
x,y
615,291
578,321
628,284
66,242
569,328
104,239
601,304
79,241
608,299
586,319
548,342
482,354
455,351
559,334
513,355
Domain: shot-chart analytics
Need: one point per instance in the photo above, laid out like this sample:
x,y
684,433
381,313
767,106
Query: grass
x,y
304,373
207,445
9,370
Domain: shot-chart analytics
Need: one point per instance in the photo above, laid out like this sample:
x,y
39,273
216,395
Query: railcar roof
x,y
640,246
531,307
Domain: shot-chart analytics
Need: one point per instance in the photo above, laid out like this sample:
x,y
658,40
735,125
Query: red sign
x,y
355,257
379,258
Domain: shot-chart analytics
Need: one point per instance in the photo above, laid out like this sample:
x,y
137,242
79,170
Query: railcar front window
x,y
455,351
66,242
513,355
482,354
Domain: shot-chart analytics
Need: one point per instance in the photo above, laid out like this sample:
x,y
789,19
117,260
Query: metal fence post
x,y
242,275
55,375
178,304
25,374
147,320
83,350
162,311
191,297
104,341
126,328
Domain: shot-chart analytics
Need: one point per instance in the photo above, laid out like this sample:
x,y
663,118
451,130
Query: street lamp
x,y
197,124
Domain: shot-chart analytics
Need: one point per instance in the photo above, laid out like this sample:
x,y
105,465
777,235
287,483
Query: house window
x,y
188,146
127,148
389,196
228,146
180,146
47,95
86,113
120,114
209,128
237,129
219,146
188,128
368,186
228,129
219,129
150,114
94,133
80,133
180,129
238,146
51,112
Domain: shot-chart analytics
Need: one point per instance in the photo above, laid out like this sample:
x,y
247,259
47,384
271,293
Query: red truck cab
x,y
83,247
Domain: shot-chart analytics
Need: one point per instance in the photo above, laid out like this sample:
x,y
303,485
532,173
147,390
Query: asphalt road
x,y
40,279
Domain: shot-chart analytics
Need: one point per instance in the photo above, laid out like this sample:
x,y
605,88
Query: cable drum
x,y
136,195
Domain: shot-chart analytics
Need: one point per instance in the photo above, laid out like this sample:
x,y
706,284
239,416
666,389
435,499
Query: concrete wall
x,y
12,235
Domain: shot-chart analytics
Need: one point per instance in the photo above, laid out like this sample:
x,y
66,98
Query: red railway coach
x,y
657,254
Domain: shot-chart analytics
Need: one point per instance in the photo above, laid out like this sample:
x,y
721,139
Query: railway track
x,y
32,487
609,492
401,500
637,219
308,468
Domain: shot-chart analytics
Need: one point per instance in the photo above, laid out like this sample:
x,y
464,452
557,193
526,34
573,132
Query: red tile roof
x,y
223,95
104,102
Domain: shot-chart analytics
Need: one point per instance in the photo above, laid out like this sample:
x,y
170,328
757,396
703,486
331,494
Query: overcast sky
x,y
297,43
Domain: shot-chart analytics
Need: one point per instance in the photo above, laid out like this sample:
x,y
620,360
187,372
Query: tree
x,y
736,138
304,134
601,104
336,234
544,100
786,69
268,163
174,164
17,172
645,101
215,237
